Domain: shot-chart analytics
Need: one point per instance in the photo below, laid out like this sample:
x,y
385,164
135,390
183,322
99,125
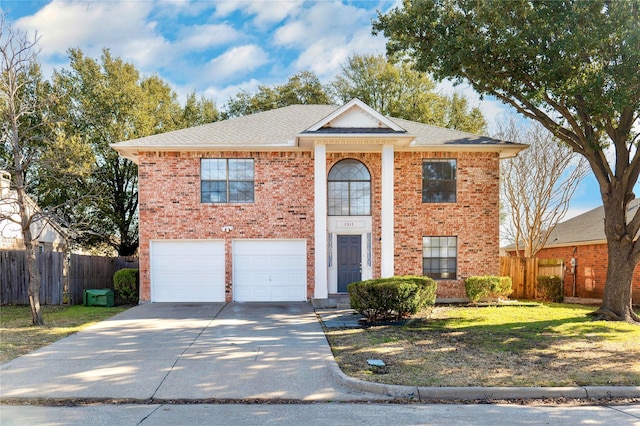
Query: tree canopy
x,y
396,90
399,90
301,88
572,65
106,101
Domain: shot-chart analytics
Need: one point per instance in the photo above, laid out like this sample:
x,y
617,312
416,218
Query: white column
x,y
320,201
387,243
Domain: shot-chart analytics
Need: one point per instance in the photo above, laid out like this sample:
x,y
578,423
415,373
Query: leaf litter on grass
x,y
553,345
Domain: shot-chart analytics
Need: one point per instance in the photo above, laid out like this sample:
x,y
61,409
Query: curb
x,y
476,393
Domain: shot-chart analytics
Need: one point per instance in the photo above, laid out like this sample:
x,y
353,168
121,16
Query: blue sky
x,y
219,47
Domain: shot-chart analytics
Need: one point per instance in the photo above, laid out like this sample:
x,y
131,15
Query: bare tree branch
x,y
537,185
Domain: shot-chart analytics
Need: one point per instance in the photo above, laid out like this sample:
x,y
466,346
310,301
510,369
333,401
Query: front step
x,y
334,301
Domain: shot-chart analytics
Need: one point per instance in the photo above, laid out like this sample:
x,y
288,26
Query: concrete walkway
x,y
186,351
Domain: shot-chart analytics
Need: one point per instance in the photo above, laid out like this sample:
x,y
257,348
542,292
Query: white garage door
x,y
187,271
269,270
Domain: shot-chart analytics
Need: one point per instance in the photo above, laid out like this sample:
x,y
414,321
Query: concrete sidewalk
x,y
320,414
186,351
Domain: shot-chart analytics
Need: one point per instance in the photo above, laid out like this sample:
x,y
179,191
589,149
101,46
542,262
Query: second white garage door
x,y
270,270
187,271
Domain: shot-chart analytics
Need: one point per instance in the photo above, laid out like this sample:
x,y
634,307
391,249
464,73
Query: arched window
x,y
349,189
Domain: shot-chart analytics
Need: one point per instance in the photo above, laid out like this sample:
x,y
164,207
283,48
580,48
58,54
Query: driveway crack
x,y
186,349
622,411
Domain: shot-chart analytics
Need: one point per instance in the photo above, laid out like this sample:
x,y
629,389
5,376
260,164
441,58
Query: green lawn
x,y
19,337
545,345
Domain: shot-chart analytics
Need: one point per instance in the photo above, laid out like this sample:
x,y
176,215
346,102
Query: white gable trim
x,y
356,113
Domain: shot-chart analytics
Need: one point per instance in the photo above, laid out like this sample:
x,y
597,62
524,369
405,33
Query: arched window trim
x,y
349,190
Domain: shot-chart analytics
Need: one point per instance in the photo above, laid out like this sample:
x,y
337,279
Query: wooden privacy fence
x,y
59,275
524,273
13,277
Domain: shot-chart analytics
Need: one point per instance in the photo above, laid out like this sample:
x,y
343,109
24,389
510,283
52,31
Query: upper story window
x,y
439,181
349,189
226,180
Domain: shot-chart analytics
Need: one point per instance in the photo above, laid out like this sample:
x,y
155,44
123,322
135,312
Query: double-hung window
x,y
440,257
439,181
226,180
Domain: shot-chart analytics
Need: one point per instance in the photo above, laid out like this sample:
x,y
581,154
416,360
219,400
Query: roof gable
x,y
355,115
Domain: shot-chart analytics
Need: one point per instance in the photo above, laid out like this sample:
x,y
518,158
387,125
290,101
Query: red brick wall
x,y
474,218
594,257
170,208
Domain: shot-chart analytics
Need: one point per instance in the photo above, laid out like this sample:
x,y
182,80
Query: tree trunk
x,y
616,302
33,274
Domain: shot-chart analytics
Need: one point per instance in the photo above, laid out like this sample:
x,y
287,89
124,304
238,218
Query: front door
x,y
349,261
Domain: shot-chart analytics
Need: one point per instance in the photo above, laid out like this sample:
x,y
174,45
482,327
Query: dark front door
x,y
349,256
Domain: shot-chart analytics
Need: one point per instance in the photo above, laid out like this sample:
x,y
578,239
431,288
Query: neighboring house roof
x,y
295,127
587,228
43,229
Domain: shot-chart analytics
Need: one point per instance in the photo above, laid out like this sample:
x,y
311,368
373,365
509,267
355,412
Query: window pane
x,y
439,181
241,169
439,257
349,170
240,192
214,192
214,169
359,198
338,198
226,180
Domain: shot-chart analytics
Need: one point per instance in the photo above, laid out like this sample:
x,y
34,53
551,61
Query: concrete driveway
x,y
186,351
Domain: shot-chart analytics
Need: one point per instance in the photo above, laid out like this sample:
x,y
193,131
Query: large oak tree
x,y
572,65
106,101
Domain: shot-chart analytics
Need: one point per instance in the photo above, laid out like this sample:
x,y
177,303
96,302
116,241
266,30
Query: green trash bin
x,y
98,297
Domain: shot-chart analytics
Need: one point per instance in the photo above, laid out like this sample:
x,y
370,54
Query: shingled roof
x,y
283,128
587,228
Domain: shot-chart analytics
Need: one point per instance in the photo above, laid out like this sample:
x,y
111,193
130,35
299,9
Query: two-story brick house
x,y
294,203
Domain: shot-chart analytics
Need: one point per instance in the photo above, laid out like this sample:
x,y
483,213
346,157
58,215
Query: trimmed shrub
x,y
487,288
125,283
392,299
550,288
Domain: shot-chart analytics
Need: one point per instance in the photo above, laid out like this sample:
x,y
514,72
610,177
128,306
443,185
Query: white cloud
x,y
264,12
121,26
199,37
222,95
236,61
323,21
327,34
269,12
65,24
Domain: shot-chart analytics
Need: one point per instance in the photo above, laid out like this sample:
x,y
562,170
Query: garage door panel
x,y
187,271
269,270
